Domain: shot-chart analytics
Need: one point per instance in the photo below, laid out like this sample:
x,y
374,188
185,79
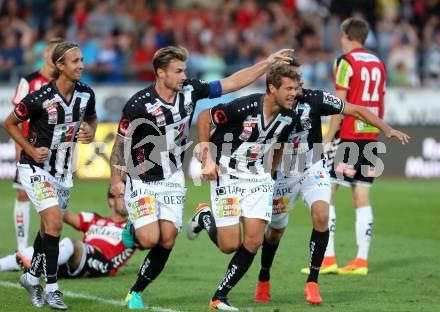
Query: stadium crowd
x,y
118,37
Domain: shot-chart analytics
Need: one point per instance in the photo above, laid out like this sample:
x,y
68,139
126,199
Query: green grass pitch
x,y
404,259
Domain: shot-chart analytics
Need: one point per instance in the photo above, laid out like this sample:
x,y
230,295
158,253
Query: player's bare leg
x,y
364,227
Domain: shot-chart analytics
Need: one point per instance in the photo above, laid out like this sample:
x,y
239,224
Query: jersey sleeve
x,y
90,108
342,74
224,114
85,220
128,116
27,108
327,104
21,91
204,89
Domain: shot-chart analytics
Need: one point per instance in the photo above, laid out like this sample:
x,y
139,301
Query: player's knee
x,y
252,243
274,235
320,217
167,244
229,247
54,227
147,241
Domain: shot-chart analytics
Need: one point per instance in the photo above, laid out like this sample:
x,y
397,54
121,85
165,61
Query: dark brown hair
x,y
276,72
164,56
356,29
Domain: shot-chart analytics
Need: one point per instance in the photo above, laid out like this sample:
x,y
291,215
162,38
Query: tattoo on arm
x,y
117,160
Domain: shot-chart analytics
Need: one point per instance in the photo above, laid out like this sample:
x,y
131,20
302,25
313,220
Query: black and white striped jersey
x,y
54,123
157,131
305,141
242,138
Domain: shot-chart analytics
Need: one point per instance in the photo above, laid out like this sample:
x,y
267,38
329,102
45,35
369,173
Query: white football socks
x,y
21,221
330,251
66,251
9,263
364,227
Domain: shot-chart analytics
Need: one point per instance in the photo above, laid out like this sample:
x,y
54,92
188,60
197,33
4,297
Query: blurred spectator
x,y
109,62
212,66
101,21
11,55
118,37
432,61
143,56
404,44
400,76
90,49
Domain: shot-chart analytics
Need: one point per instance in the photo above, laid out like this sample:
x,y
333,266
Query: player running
x,y
154,128
360,78
60,113
304,171
29,84
244,131
101,252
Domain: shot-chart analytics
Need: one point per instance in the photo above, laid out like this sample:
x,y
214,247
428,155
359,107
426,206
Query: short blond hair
x,y
164,56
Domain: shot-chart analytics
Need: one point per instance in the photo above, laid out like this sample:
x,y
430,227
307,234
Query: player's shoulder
x,y
40,96
32,76
251,101
83,87
311,96
362,55
140,99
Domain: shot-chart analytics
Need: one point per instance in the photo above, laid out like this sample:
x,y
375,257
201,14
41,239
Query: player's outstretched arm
x,y
72,219
117,167
11,125
209,168
364,114
248,75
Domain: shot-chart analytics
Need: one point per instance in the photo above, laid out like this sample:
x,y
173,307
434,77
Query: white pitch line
x,y
91,298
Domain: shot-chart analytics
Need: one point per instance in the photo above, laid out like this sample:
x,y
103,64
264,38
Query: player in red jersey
x,y
29,84
359,79
101,252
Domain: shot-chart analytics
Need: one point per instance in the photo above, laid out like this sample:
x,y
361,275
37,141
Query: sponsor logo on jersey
x,y
21,110
67,133
52,114
143,207
280,205
44,190
106,232
124,126
306,123
228,207
160,117
220,117
332,100
253,152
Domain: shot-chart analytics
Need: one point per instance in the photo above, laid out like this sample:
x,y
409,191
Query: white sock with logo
x,y
66,251
21,221
364,227
330,251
